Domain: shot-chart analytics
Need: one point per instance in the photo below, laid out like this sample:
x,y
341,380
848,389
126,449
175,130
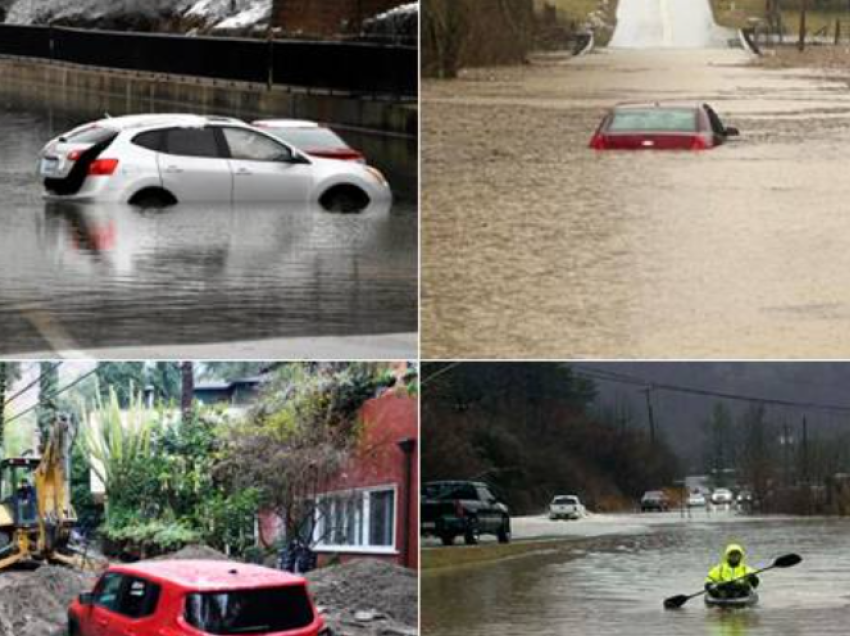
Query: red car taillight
x,y
598,142
103,167
74,155
459,508
699,143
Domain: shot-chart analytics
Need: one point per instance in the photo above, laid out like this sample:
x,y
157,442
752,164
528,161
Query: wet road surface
x,y
648,24
536,246
616,585
77,279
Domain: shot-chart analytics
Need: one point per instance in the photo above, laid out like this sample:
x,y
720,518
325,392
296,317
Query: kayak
x,y
749,600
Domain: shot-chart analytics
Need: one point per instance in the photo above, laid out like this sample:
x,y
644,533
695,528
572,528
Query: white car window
x,y
251,146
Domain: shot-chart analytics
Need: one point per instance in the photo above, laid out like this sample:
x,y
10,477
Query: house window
x,y
357,519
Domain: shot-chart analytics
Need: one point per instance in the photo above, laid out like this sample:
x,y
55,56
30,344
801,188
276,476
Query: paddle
x,y
786,561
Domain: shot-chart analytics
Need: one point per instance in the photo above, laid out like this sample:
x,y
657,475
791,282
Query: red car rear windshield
x,y
638,120
261,611
310,138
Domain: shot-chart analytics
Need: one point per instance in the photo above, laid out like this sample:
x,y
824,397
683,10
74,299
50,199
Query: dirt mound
x,y
195,553
364,591
36,603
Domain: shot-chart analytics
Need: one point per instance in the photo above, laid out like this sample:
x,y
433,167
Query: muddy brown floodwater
x,y
535,246
618,587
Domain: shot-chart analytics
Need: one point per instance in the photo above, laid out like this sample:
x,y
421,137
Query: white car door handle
x,y
173,169
243,171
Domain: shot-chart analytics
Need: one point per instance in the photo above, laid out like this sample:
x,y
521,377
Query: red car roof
x,y
209,576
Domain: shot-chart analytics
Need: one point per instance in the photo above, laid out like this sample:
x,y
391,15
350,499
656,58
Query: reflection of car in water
x,y
661,126
196,597
463,508
165,159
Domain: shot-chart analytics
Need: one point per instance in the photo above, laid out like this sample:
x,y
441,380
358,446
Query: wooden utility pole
x,y
801,43
650,414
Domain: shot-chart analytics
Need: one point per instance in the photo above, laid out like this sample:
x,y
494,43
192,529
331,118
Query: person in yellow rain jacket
x,y
730,568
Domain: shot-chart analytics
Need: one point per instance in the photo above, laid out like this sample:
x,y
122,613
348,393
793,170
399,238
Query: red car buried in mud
x,y
661,126
195,598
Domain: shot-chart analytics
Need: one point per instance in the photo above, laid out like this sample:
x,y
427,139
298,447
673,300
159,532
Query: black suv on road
x,y
463,508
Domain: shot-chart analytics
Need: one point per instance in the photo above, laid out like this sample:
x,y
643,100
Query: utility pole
x,y
650,414
805,444
801,43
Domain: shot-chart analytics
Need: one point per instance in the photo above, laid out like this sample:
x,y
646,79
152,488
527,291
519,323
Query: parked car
x,y
654,501
465,509
566,507
192,598
314,139
165,159
722,497
696,500
661,126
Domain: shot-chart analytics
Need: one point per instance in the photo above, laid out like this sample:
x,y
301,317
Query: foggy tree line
x,y
532,431
458,33
785,463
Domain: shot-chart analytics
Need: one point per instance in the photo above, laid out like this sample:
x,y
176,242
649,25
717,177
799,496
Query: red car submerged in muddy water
x,y
661,126
195,598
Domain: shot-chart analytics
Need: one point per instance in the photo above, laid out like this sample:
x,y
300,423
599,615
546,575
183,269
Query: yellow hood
x,y
733,547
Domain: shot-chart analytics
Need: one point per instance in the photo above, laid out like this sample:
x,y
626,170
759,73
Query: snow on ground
x,y
218,14
403,10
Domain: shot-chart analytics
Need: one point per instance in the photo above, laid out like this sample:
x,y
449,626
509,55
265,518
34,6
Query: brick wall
x,y
326,17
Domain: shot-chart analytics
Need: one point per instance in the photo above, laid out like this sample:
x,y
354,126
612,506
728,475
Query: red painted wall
x,y
387,420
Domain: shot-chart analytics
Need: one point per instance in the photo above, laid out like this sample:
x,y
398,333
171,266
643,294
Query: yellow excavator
x,y
36,516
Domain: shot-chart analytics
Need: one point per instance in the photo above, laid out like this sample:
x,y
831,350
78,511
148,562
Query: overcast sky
x,y
679,416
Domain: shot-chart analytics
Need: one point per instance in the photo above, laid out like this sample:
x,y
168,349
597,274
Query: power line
x,y
439,372
624,378
52,396
31,384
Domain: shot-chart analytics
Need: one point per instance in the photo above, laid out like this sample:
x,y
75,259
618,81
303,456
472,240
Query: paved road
x,y
677,24
540,527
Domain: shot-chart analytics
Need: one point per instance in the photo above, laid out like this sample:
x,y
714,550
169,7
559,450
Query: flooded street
x,y
78,278
616,585
536,246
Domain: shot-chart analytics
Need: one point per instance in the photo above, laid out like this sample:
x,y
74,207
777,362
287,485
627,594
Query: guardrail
x,y
835,33
351,67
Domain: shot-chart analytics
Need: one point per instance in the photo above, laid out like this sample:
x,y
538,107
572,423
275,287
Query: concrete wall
x,y
320,17
119,92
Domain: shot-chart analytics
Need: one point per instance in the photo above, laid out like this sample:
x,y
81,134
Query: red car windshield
x,y
654,120
261,611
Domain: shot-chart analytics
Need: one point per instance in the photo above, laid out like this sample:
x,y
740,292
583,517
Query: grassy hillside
x,y
741,13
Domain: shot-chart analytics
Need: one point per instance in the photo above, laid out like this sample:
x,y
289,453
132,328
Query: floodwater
x,y
535,246
84,277
617,585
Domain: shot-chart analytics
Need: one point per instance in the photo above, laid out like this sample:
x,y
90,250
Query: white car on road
x,y
166,159
722,497
566,507
696,500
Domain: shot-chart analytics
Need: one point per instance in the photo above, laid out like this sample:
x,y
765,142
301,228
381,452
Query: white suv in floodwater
x,y
566,507
166,159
